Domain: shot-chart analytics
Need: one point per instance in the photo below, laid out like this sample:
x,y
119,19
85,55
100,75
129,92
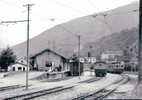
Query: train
x,y
102,68
115,67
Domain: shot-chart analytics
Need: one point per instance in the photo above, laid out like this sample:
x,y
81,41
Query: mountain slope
x,y
126,39
90,29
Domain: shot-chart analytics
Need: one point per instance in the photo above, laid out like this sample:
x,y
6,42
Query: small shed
x,y
74,67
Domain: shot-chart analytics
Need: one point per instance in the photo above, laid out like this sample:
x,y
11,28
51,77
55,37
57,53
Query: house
x,y
22,60
111,55
19,65
48,60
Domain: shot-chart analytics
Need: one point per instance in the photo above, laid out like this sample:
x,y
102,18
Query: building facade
x,y
48,60
111,55
19,65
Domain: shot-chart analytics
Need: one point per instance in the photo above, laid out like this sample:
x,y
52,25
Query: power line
x,y
101,14
70,7
104,21
105,15
67,30
16,21
9,4
92,4
89,1
119,13
78,37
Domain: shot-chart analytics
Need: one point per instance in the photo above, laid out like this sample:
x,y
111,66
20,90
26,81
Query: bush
x,y
7,58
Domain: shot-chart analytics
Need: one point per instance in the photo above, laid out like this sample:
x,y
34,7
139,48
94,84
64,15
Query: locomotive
x,y
100,68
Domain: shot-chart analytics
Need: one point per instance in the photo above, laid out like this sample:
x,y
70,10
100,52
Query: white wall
x,y
10,68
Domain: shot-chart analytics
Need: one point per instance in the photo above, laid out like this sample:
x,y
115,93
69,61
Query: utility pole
x,y
28,30
28,20
53,45
79,54
140,43
78,36
89,51
49,49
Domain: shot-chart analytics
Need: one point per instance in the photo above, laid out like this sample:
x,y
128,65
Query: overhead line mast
x,y
140,43
28,29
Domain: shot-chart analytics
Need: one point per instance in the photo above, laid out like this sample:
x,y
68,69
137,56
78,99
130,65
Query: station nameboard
x,y
88,60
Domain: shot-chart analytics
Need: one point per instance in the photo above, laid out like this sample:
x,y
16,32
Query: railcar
x,y
115,67
100,68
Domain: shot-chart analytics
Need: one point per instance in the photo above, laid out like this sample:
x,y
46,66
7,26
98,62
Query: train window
x,y
100,64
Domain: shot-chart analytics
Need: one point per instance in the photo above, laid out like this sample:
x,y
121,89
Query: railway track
x,y
44,92
104,92
36,94
10,87
95,95
90,80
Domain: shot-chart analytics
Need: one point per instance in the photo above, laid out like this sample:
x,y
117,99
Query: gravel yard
x,y
81,88
125,91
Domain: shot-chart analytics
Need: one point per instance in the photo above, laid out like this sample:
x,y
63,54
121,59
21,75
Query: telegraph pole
x,y
140,43
27,71
49,47
54,47
79,54
78,36
28,20
28,30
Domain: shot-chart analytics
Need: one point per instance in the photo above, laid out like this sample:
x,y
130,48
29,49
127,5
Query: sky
x,y
41,14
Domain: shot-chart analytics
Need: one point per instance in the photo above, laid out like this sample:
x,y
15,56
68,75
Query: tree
x,y
7,57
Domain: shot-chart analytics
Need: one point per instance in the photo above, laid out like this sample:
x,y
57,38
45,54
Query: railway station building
x,y
48,60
